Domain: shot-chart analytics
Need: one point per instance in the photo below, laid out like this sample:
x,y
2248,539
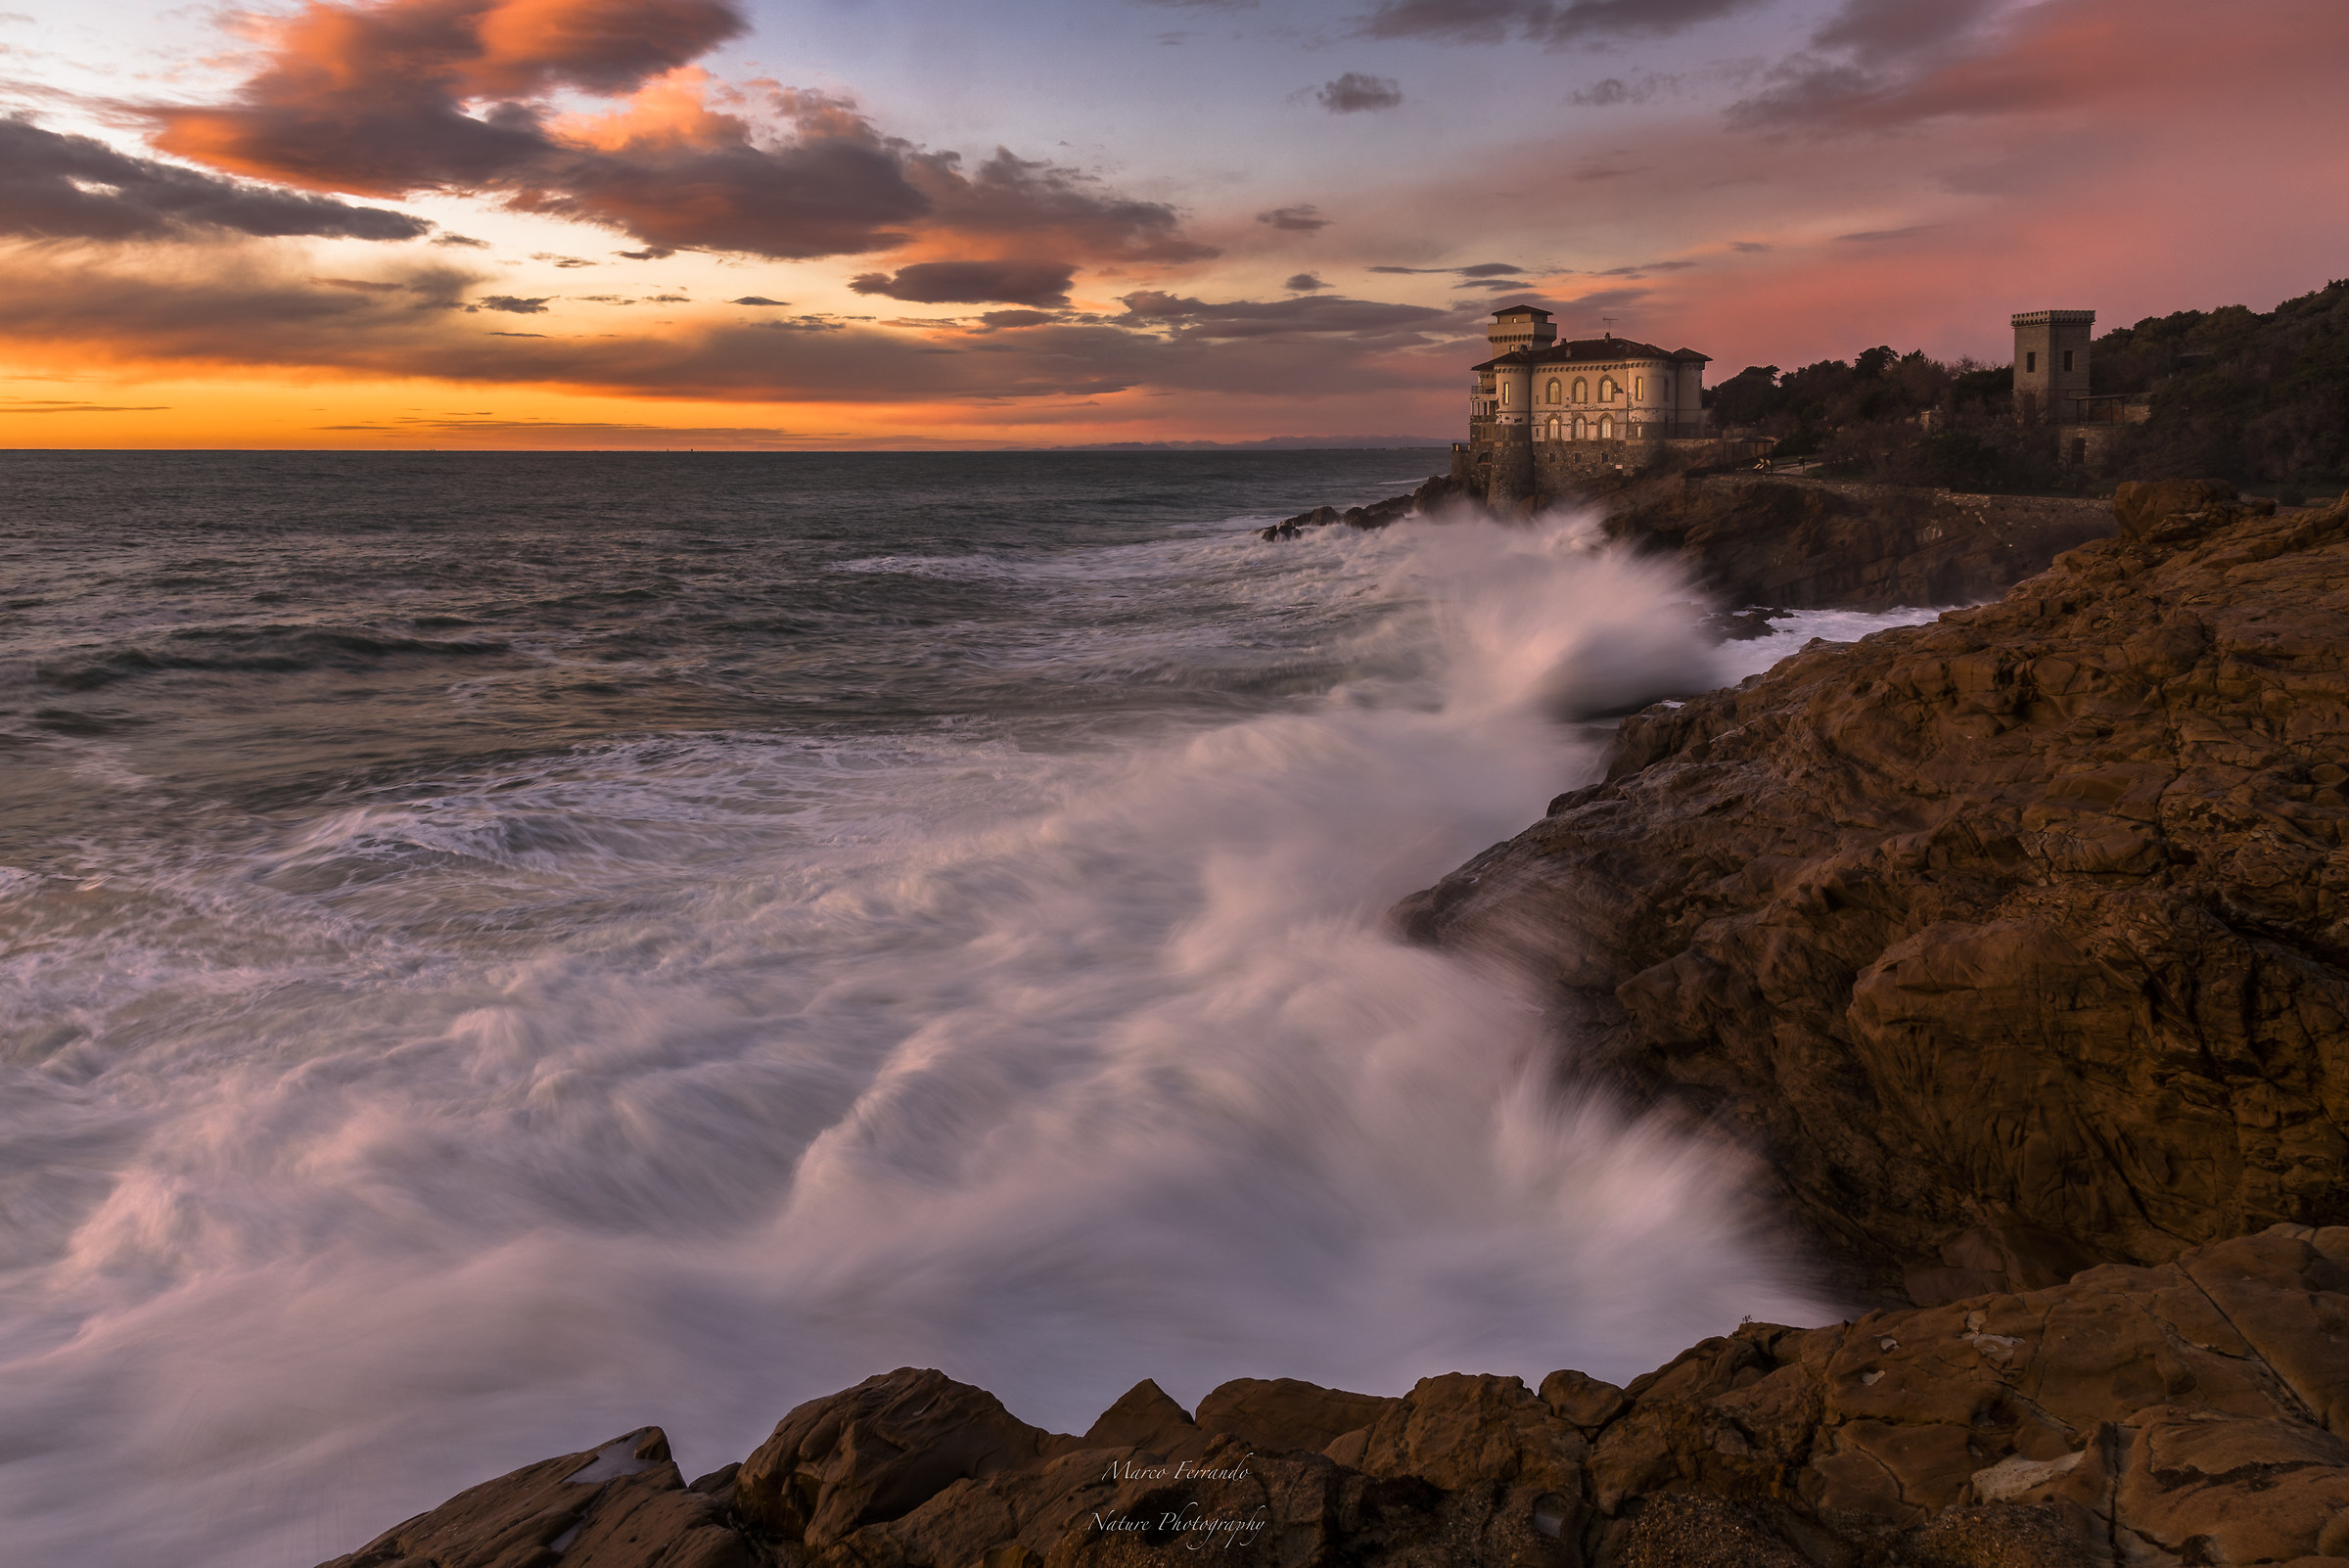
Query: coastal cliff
x,y
2015,941
2015,944
1803,543
1799,544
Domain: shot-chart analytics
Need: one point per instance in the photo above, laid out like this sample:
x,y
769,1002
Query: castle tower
x,y
2051,364
1520,327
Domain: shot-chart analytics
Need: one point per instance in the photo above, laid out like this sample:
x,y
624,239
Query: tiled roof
x,y
1590,349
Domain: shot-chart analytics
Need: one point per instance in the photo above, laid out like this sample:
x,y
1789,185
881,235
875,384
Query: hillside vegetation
x,y
2261,400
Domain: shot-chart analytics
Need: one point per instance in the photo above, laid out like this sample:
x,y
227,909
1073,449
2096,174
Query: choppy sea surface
x,y
497,949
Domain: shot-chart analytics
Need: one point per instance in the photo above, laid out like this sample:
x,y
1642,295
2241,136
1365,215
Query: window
x,y
1581,392
1582,430
1553,419
1505,391
1606,389
1606,427
2030,362
1553,388
1639,389
2067,359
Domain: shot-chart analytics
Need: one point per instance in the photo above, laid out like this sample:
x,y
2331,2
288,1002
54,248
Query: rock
x,y
2175,511
1144,1417
2016,942
1810,543
1432,498
1284,1415
878,1451
620,1505
2136,1408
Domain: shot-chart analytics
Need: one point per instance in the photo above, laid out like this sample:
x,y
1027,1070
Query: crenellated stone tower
x,y
2050,364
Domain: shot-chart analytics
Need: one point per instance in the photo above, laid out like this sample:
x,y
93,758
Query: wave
x,y
355,1155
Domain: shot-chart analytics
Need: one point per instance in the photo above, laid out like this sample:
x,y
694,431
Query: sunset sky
x,y
824,223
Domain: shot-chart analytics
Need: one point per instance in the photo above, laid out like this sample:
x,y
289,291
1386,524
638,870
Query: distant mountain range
x,y
1289,443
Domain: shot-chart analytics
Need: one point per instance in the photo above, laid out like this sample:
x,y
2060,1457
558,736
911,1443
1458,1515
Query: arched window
x,y
1553,419
1606,389
1606,427
1582,428
1581,392
1553,388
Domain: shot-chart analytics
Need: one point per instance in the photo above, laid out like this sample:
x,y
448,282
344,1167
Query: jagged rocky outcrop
x,y
2015,942
1752,538
2188,1413
1430,498
1799,544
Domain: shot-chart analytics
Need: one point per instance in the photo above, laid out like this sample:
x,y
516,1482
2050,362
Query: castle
x,y
1542,412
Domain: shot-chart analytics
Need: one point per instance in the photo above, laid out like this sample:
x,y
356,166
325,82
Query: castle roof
x,y
1593,350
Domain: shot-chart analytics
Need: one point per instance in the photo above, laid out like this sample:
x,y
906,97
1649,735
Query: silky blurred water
x,y
498,950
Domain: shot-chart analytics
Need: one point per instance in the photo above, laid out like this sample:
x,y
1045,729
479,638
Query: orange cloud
x,y
402,96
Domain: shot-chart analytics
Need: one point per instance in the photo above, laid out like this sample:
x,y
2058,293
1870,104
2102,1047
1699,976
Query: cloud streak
x,y
1552,23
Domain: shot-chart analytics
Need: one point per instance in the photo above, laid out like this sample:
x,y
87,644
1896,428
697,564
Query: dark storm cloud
x,y
58,187
1554,23
1302,220
1022,282
1355,93
447,95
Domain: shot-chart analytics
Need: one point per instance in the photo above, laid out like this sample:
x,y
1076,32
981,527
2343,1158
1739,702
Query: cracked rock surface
x,y
2015,942
2190,1413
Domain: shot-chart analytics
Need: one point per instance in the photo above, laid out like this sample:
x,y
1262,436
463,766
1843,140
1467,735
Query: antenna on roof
x,y
1610,321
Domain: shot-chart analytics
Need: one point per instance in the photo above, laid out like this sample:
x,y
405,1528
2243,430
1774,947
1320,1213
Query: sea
x,y
498,950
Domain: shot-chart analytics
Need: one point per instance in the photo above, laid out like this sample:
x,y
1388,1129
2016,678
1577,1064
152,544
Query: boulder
x,y
622,1504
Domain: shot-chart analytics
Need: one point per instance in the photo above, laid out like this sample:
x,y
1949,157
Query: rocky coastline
x,y
1795,542
2016,943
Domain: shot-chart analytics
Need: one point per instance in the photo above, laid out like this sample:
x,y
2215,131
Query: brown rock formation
x,y
2188,1413
1800,543
1805,543
2015,941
